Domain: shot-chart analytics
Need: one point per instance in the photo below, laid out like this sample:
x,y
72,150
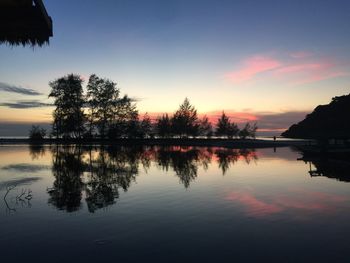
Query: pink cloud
x,y
306,69
301,54
252,67
300,68
236,117
304,73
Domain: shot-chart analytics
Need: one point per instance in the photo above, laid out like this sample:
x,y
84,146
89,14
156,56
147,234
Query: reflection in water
x,y
226,157
266,200
111,170
338,169
298,199
36,151
108,170
67,168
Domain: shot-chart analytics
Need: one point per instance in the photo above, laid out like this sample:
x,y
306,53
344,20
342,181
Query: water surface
x,y
171,204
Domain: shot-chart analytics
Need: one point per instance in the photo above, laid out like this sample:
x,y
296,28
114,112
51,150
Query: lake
x,y
171,204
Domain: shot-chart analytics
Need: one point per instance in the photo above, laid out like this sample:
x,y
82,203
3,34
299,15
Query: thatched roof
x,y
24,22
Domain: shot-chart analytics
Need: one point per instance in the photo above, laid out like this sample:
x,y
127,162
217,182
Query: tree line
x,y
102,112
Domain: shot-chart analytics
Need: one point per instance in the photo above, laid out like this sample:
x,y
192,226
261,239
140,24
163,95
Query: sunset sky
x,y
265,61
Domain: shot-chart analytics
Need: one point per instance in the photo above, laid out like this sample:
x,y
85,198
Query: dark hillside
x,y
325,122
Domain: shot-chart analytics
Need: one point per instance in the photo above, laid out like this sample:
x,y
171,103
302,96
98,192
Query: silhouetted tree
x,y
133,129
185,120
248,131
232,131
109,112
125,118
103,96
224,127
36,133
68,97
146,127
205,127
252,131
92,100
163,126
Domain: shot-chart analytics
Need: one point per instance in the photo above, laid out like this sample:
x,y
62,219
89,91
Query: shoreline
x,y
230,143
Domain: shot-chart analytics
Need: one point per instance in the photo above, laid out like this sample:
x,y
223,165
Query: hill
x,y
331,121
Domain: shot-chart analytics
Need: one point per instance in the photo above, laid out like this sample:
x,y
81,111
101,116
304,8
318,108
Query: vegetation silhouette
x,y
102,113
36,133
329,121
68,117
225,127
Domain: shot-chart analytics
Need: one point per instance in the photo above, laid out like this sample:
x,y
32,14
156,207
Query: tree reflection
x,y
36,151
184,161
113,169
67,168
227,157
100,173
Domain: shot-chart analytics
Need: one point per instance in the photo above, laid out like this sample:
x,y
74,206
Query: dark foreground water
x,y
171,205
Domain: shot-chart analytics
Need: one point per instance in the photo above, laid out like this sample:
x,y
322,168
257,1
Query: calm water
x,y
171,205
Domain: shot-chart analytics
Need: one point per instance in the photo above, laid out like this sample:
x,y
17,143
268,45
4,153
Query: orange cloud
x,y
252,67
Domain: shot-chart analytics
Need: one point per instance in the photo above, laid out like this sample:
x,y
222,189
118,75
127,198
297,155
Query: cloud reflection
x,y
300,201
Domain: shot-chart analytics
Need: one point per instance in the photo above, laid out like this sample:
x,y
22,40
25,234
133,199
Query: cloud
x,y
235,116
17,89
297,68
301,54
252,67
12,129
309,72
279,121
24,104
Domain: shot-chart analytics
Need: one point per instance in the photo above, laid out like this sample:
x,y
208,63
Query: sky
x,y
269,62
